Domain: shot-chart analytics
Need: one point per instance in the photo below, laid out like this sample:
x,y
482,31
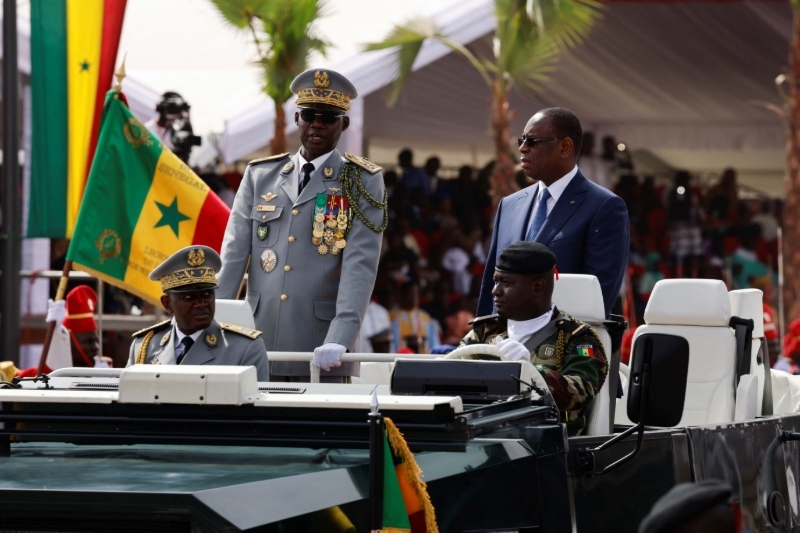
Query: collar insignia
x,y
211,340
287,167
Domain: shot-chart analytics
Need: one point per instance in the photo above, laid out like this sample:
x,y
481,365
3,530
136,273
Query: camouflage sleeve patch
x,y
582,375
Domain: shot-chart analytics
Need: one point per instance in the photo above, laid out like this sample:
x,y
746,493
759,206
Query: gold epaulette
x,y
369,166
155,327
481,319
270,158
241,330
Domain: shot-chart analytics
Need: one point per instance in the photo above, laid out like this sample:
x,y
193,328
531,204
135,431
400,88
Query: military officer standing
x,y
312,226
527,326
193,337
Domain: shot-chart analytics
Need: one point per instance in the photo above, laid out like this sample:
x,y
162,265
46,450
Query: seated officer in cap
x,y
193,337
311,224
700,507
529,327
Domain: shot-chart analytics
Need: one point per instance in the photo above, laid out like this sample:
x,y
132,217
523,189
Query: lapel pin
x,y
287,167
572,202
269,196
211,340
328,172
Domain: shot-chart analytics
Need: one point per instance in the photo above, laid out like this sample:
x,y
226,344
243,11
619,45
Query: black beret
x,y
525,257
684,502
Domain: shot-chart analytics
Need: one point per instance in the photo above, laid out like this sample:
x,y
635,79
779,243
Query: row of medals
x,y
328,234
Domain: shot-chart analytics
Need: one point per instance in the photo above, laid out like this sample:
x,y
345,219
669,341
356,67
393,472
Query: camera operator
x,y
173,126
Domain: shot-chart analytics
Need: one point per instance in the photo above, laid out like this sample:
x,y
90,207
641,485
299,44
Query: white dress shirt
x,y
521,331
179,335
316,162
556,190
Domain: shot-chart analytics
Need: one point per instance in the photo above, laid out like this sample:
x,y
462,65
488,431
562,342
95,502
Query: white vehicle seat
x,y
621,411
747,303
236,312
698,310
785,392
580,296
374,374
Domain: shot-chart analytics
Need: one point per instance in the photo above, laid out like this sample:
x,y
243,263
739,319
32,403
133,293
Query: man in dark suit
x,y
585,225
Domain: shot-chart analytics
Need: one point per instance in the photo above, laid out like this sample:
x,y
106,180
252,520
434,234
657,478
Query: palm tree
x,y
284,39
791,223
527,39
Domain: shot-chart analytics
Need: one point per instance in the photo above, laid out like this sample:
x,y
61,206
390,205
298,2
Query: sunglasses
x,y
531,142
327,117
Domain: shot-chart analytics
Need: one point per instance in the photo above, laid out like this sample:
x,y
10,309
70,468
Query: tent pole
x,y
10,237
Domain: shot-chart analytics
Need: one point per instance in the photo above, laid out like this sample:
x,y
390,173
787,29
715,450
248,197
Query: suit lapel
x,y
317,184
165,353
518,227
570,201
290,179
202,351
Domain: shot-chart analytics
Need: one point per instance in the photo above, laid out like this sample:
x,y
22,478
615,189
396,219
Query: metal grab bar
x,y
346,358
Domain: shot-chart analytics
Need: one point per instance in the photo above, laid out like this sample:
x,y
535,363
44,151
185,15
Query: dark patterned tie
x,y
308,168
539,217
184,346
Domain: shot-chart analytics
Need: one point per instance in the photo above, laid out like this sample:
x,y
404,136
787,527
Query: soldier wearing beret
x,y
311,225
699,507
529,327
193,337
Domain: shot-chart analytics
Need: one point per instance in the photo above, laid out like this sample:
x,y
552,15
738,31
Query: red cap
x,y
770,331
81,305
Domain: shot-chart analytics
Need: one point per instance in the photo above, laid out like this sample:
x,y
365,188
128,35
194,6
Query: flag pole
x,y
51,326
375,465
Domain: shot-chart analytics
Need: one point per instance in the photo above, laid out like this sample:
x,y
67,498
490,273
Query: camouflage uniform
x,y
567,353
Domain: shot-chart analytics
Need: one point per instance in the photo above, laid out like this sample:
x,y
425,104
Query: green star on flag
x,y
170,216
84,65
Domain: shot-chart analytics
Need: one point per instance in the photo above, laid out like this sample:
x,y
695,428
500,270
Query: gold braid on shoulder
x,y
141,355
353,189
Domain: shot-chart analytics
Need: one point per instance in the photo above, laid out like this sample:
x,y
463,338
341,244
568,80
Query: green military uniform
x,y
567,353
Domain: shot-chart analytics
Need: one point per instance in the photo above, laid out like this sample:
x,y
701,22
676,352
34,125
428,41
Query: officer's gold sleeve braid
x,y
352,189
561,348
141,356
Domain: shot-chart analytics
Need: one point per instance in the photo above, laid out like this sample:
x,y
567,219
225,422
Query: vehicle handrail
x,y
346,358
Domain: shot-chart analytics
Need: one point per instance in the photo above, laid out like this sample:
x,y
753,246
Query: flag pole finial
x,y
120,74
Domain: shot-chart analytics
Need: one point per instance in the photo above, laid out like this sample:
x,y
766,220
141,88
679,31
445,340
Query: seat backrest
x,y
236,312
748,303
580,296
699,311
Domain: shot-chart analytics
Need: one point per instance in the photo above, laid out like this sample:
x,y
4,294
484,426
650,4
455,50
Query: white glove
x,y
56,311
513,350
328,355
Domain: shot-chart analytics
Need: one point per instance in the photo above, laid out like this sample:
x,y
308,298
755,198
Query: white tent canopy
x,y
675,79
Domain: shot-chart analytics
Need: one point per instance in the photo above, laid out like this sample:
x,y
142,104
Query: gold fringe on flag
x,y
413,473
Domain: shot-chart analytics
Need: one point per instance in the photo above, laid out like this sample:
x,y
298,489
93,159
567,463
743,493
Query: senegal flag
x,y
406,504
141,205
73,52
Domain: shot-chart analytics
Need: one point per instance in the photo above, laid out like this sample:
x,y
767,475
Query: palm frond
x,y
240,12
408,39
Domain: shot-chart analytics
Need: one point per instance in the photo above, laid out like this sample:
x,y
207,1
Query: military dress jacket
x,y
568,354
244,347
300,298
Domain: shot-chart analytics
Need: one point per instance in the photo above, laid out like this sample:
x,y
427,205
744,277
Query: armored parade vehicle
x,y
202,449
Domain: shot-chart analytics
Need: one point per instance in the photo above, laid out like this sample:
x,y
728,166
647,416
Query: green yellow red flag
x,y
141,204
407,508
74,47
